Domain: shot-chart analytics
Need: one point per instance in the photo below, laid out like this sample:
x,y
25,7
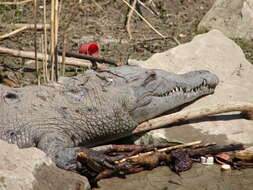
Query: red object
x,y
91,49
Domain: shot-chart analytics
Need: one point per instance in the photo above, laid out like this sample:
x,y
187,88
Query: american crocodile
x,y
65,117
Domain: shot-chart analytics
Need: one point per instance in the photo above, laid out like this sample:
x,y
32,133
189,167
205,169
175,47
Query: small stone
x,y
182,35
225,167
207,160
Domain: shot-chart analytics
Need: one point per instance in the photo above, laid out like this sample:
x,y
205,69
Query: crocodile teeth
x,y
204,82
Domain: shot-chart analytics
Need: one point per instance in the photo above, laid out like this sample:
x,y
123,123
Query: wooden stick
x,y
22,28
161,150
193,114
32,26
15,3
52,39
156,31
30,55
56,26
13,32
45,63
35,41
150,10
91,58
129,16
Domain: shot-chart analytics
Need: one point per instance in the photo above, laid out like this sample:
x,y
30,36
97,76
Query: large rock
x,y
233,17
215,52
31,169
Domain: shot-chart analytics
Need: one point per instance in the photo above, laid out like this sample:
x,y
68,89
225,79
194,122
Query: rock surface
x,y
233,17
31,169
215,52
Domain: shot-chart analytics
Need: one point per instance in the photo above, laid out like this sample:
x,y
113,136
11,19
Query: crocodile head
x,y
158,91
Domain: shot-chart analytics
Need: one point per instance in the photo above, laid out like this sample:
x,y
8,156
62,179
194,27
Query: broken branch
x,y
194,113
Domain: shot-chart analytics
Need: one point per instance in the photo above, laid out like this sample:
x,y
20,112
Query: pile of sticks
x,y
136,158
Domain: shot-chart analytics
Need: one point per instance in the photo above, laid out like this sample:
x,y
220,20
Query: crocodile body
x,y
93,107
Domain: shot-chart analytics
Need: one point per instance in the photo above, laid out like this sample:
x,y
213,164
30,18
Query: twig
x,y
30,55
143,19
149,9
22,28
43,58
13,32
45,63
32,26
176,40
35,40
91,58
52,39
15,3
56,26
129,16
160,150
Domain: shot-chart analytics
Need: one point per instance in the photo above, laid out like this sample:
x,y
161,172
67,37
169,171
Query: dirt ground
x,y
103,21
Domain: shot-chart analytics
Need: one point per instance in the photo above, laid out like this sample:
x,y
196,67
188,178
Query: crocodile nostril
x,y
11,95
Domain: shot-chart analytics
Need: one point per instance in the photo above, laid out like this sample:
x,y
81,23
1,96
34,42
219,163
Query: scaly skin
x,y
63,118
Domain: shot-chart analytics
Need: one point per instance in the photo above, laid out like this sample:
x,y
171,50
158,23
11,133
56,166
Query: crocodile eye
x,y
151,76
